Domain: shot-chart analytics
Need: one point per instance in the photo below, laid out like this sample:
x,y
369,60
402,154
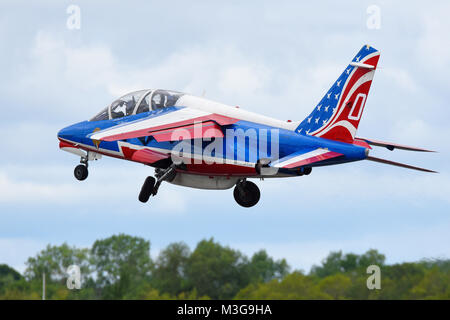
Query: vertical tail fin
x,y
338,114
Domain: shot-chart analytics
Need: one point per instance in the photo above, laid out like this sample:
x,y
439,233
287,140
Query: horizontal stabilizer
x,y
398,164
302,158
362,65
391,146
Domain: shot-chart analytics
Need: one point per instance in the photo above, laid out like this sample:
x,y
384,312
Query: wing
x,y
305,157
391,146
175,124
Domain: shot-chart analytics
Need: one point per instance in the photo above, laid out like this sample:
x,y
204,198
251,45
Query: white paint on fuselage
x,y
168,118
232,112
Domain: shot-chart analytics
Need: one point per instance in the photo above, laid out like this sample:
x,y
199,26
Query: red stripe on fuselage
x,y
221,120
207,129
318,158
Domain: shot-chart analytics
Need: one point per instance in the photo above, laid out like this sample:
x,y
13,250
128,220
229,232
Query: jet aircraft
x,y
195,142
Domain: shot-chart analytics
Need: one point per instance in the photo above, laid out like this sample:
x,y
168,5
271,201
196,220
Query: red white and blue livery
x,y
198,143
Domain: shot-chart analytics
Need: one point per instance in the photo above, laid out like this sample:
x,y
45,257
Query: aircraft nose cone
x,y
64,133
73,132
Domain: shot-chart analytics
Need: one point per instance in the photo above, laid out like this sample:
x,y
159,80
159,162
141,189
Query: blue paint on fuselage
x,y
288,141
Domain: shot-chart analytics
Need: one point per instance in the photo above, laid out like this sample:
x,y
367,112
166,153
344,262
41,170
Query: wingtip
x,y
425,150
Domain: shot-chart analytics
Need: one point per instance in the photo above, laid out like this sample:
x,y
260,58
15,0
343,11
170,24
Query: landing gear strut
x,y
81,171
151,185
246,193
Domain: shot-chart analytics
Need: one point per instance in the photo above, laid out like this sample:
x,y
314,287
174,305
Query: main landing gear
x,y
246,193
151,185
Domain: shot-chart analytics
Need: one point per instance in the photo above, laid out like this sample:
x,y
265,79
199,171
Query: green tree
x,y
434,285
398,280
293,287
216,271
263,268
123,265
54,261
8,276
336,262
371,257
330,265
336,286
169,274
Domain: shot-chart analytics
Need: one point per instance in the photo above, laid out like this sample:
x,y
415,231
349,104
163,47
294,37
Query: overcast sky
x,y
275,58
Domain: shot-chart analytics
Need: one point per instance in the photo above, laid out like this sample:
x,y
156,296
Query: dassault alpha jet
x,y
198,143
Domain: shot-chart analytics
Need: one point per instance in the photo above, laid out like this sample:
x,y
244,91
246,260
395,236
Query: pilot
x,y
119,108
158,102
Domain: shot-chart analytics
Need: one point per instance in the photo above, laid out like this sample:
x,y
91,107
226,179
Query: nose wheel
x,y
246,193
81,171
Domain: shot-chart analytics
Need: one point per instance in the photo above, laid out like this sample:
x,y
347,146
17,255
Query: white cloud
x,y
401,78
433,47
366,183
243,80
110,187
12,191
15,251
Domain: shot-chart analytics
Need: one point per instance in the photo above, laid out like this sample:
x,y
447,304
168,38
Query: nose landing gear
x,y
246,193
81,171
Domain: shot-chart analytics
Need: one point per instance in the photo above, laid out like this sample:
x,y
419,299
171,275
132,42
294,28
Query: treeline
x,y
120,267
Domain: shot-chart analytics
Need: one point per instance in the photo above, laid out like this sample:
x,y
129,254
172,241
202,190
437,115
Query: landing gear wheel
x,y
147,189
80,172
307,170
246,194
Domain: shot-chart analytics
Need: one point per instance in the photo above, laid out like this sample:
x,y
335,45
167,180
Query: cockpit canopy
x,y
138,102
